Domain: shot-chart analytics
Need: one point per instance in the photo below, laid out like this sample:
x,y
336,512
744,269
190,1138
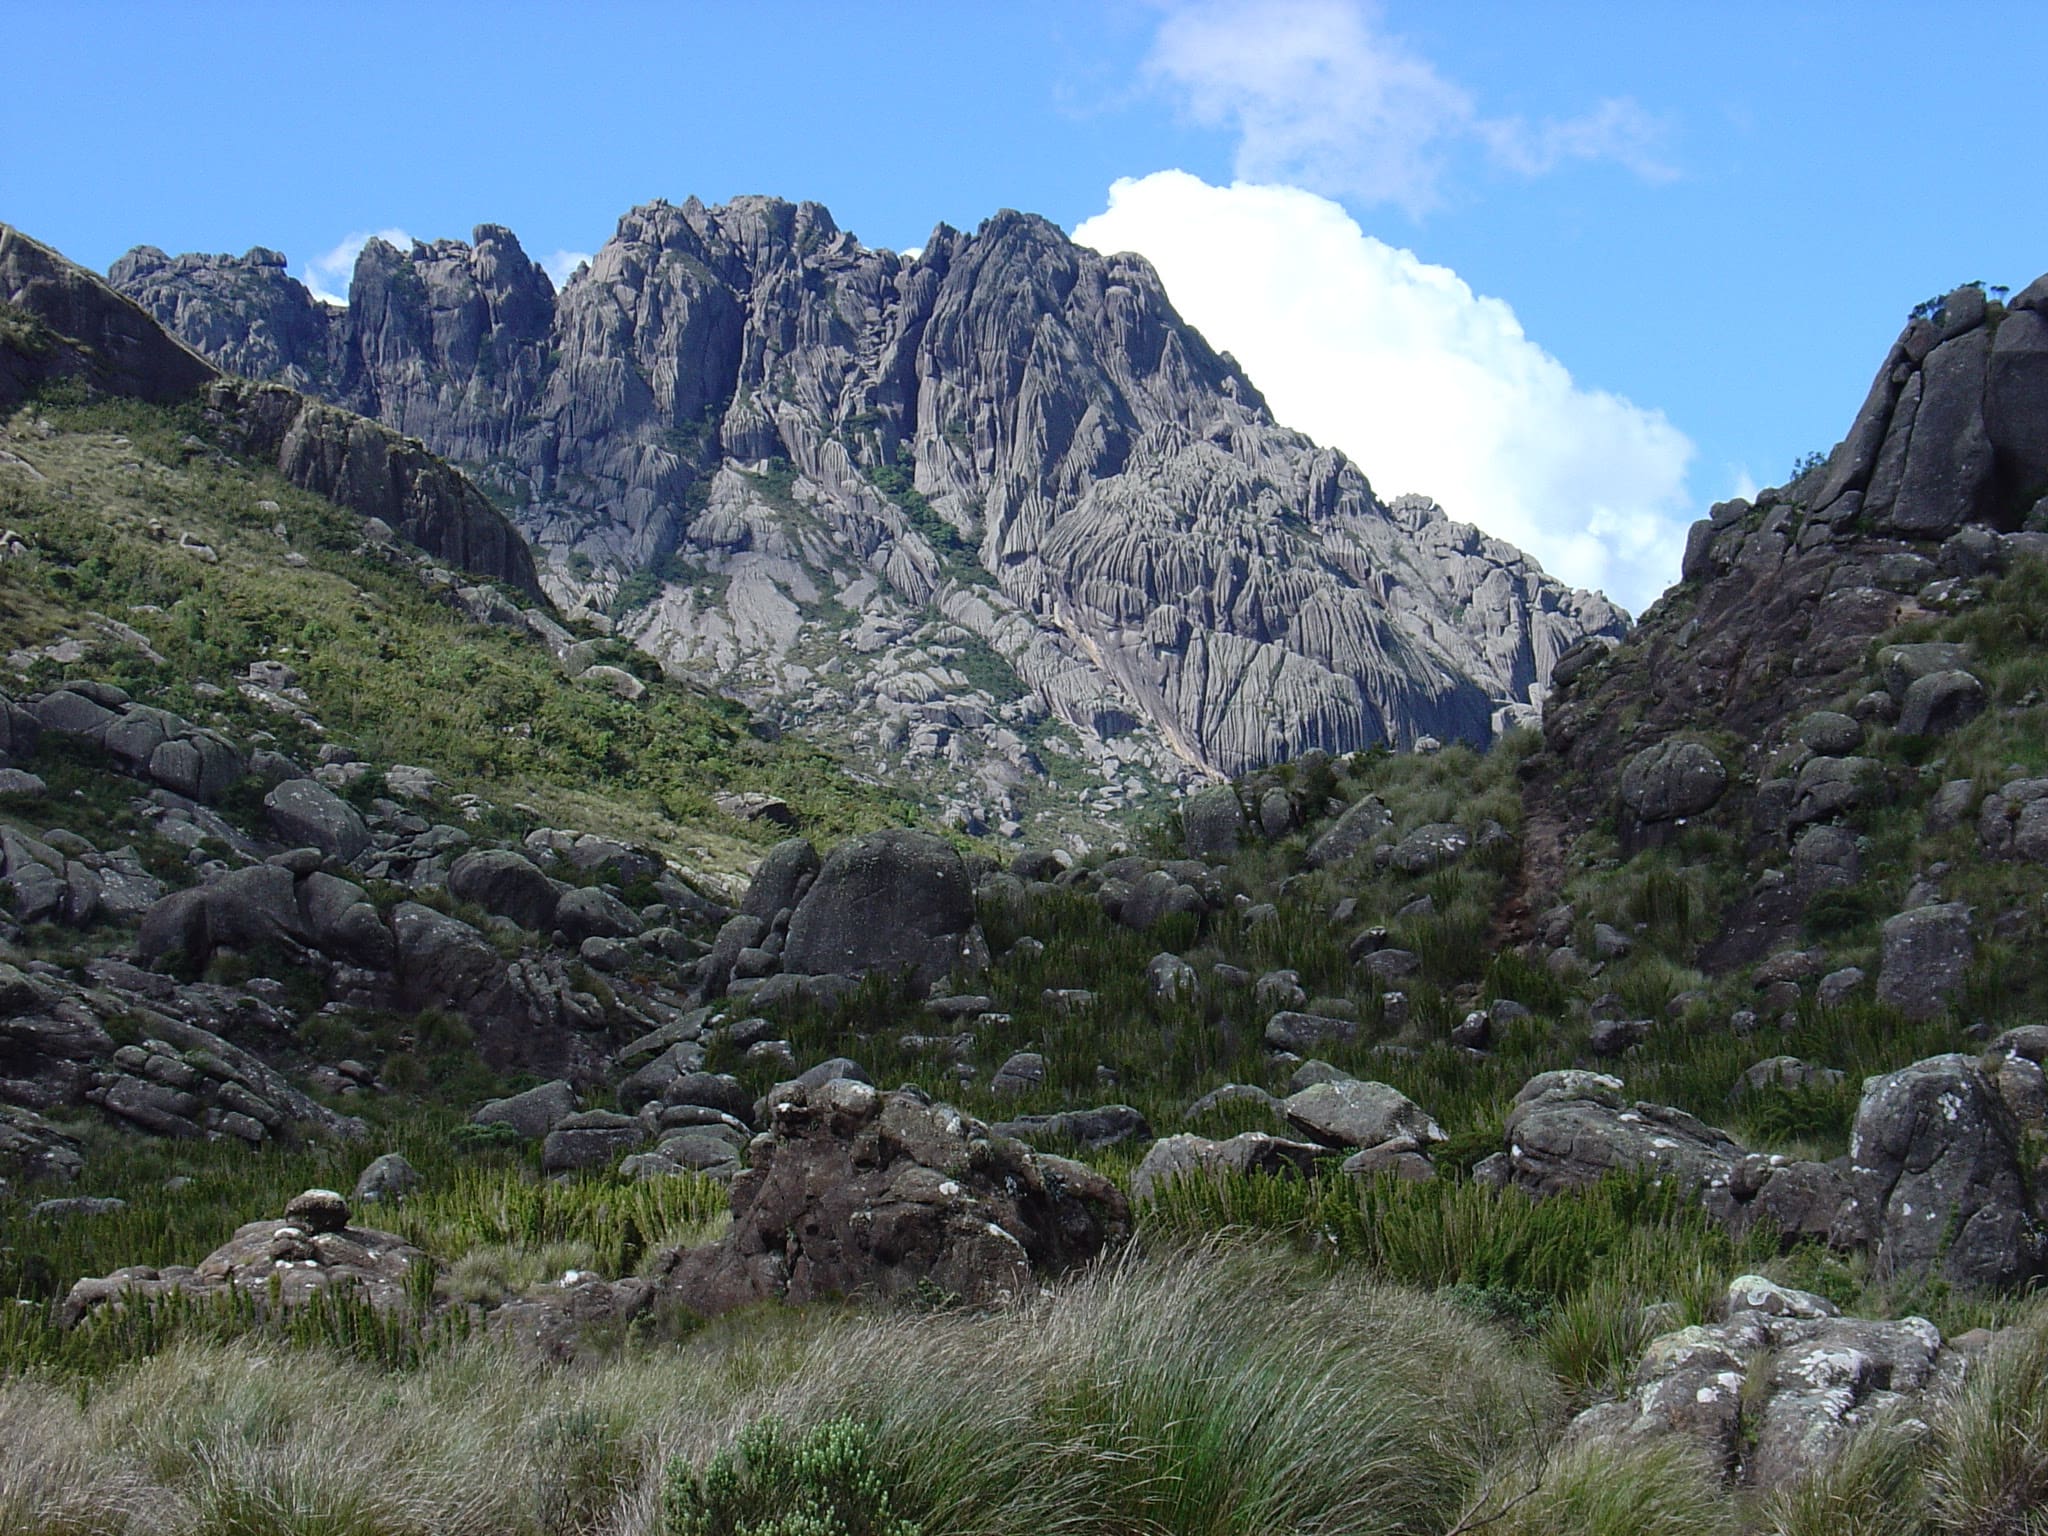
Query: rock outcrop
x,y
856,1192
999,481
1940,480
289,1259
1776,1390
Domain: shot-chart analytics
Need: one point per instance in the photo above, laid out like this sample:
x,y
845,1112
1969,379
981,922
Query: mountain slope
x,y
64,324
920,504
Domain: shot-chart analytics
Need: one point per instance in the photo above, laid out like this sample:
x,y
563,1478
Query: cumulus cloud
x,y
1321,96
327,276
1427,385
563,264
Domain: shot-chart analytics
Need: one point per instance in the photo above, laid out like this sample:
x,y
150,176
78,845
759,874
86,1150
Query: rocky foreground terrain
x,y
549,1100
993,517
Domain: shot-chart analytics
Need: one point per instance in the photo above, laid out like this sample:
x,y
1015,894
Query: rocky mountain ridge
x,y
65,325
993,515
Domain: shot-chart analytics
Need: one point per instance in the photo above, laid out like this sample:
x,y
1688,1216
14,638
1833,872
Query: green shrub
x,y
821,1481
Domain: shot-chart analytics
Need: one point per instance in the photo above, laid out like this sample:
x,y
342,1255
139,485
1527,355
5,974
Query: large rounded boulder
x,y
1671,780
888,902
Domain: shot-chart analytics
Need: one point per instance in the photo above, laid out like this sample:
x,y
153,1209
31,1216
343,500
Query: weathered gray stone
x,y
892,901
533,1113
389,1178
1364,822
1178,1157
1940,1184
505,884
1939,702
1927,953
1212,823
1362,1114
785,874
1673,779
1289,1030
306,813
594,1139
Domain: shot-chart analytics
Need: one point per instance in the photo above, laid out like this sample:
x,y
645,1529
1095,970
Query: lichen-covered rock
x,y
856,1192
1777,1390
288,1259
1568,1129
1672,779
1941,1182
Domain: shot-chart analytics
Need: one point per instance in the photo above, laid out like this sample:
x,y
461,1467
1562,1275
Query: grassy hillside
x,y
119,491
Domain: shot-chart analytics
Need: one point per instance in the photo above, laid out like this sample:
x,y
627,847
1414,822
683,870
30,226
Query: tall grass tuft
x,y
1989,1471
1663,1489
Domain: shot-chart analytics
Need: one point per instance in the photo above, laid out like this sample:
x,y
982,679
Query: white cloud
x,y
327,276
1322,97
563,264
1427,385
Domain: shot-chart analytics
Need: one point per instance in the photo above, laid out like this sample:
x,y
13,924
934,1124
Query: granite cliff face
x,y
966,512
64,324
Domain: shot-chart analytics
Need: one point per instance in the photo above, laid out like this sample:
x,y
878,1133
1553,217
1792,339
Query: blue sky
x,y
1578,270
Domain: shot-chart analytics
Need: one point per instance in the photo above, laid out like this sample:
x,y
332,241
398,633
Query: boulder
x,y
1212,824
443,962
1673,779
1363,824
1828,786
242,910
1186,1156
1168,976
1429,847
1290,1030
594,1139
593,913
1362,1115
1570,1128
533,1113
389,1178
306,813
856,1192
785,874
1108,1126
1021,1073
1900,666
892,902
288,1260
1927,953
505,884
199,766
1831,733
318,1210
1941,1181
1940,702
1774,1393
